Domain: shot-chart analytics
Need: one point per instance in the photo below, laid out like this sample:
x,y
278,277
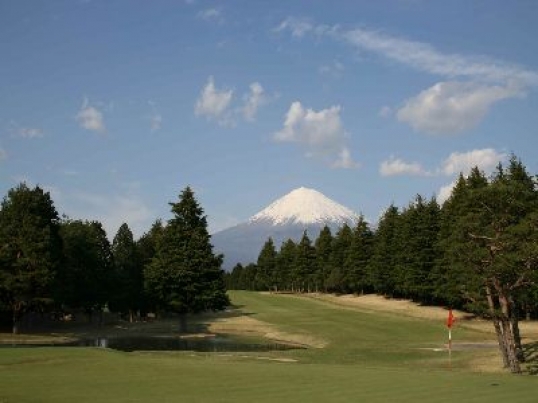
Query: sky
x,y
115,106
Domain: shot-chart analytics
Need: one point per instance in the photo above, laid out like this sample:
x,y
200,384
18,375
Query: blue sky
x,y
115,106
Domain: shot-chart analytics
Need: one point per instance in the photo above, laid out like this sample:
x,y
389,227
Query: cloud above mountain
x,y
457,162
453,107
471,84
321,133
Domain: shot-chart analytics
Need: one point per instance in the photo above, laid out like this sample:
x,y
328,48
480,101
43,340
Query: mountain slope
x,y
288,217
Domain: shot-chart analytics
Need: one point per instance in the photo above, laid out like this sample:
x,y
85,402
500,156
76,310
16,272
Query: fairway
x,y
366,356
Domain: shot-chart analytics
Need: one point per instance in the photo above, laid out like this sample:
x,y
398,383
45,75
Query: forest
x,y
57,266
477,252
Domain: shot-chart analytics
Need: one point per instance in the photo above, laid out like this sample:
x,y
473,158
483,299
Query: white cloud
x,y
424,57
395,166
297,26
445,192
213,103
345,161
321,133
211,14
471,85
90,118
29,132
486,159
253,101
111,211
452,107
17,130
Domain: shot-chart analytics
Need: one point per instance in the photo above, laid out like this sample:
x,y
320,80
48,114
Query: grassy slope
x,y
369,358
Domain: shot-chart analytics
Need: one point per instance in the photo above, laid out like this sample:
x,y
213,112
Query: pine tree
x,y
129,280
493,239
284,264
383,262
85,278
305,258
418,231
266,276
323,247
185,275
30,249
358,256
336,282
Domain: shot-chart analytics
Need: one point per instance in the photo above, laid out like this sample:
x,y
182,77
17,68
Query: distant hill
x,y
286,218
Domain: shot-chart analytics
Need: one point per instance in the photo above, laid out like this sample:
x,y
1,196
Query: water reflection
x,y
213,344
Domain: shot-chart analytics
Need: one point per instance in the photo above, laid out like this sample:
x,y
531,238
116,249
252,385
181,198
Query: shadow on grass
x,y
530,350
111,325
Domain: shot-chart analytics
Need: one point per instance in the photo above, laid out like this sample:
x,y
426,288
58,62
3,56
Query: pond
x,y
155,343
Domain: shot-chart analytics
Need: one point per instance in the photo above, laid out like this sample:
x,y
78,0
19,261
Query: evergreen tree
x,y
302,269
284,264
185,275
383,262
85,278
358,256
129,280
495,239
234,279
30,249
323,247
267,276
336,282
146,249
456,284
418,232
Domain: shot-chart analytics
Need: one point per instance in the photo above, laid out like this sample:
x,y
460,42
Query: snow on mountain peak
x,y
304,206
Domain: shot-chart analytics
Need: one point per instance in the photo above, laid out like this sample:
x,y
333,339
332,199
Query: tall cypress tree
x,y
185,275
418,231
383,262
129,280
30,249
284,264
336,282
305,258
323,246
358,256
266,276
86,276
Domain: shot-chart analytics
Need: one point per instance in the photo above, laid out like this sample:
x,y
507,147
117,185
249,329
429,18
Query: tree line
x,y
52,264
477,252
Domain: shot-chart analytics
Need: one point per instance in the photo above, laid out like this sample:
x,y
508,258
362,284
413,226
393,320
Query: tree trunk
x,y
17,316
514,320
510,348
497,326
507,332
131,314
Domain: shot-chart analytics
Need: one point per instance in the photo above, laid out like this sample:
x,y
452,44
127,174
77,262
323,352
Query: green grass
x,y
355,337
369,358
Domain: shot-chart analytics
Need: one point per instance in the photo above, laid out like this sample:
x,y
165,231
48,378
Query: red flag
x,y
450,321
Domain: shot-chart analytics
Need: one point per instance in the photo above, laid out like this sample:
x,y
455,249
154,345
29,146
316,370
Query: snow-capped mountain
x,y
304,206
288,217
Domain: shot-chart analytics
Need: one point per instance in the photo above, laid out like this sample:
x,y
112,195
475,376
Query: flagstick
x,y
449,348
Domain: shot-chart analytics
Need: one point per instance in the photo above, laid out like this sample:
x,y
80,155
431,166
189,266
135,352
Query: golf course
x,y
348,348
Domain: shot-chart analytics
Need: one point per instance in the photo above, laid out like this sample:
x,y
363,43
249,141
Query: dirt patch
x,y
244,325
9,338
